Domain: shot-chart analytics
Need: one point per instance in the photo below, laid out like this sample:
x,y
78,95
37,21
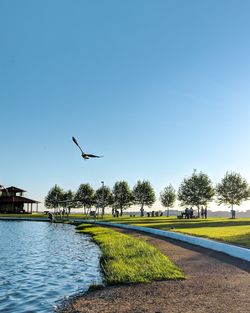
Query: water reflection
x,y
41,263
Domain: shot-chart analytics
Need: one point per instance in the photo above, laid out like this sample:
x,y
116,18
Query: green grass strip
x,y
234,231
129,260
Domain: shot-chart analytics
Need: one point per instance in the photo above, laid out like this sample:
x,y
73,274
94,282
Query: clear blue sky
x,y
157,87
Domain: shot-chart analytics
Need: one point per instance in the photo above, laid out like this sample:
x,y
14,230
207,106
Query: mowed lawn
x,y
223,229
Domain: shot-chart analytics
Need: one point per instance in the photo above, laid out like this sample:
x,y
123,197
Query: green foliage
x,y
69,197
143,194
129,260
85,196
122,196
168,197
104,197
53,198
232,190
196,190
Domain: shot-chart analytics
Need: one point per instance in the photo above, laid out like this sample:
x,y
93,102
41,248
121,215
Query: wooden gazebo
x,y
12,201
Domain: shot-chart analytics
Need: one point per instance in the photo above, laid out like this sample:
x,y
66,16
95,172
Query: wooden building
x,y
12,201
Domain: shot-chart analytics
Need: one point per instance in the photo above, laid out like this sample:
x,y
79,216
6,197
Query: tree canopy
x,y
232,190
68,197
85,197
143,194
53,198
196,190
168,197
122,196
104,197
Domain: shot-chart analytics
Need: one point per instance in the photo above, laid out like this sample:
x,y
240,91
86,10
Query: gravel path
x,y
215,283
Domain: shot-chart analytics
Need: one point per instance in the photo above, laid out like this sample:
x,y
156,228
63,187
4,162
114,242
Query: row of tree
x,y
120,198
196,190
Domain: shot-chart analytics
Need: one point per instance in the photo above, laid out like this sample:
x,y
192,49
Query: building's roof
x,y
17,199
15,189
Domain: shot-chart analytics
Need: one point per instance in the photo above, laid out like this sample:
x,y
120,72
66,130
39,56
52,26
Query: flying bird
x,y
86,156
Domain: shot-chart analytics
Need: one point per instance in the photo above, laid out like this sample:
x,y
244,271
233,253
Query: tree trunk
x,y
232,210
142,210
198,210
121,212
167,212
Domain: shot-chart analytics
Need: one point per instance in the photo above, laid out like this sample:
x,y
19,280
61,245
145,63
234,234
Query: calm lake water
x,y
42,263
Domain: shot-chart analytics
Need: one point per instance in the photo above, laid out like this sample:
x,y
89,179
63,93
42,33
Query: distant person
x,y
50,216
187,213
205,212
191,212
202,212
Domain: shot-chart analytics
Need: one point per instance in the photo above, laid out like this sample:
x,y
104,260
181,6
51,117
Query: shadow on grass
x,y
190,224
213,222
239,240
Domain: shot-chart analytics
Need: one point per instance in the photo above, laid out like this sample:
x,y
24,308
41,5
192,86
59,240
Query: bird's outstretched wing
x,y
75,141
94,156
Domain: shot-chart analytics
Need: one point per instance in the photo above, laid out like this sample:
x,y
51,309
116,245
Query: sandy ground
x,y
215,283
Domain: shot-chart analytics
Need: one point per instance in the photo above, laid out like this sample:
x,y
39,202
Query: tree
x,y
196,190
168,197
122,196
54,197
143,194
104,197
68,197
232,190
85,196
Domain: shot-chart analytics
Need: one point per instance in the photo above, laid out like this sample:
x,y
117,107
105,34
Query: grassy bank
x,y
129,260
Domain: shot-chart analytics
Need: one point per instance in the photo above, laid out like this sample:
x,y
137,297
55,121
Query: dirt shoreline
x,y
215,283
